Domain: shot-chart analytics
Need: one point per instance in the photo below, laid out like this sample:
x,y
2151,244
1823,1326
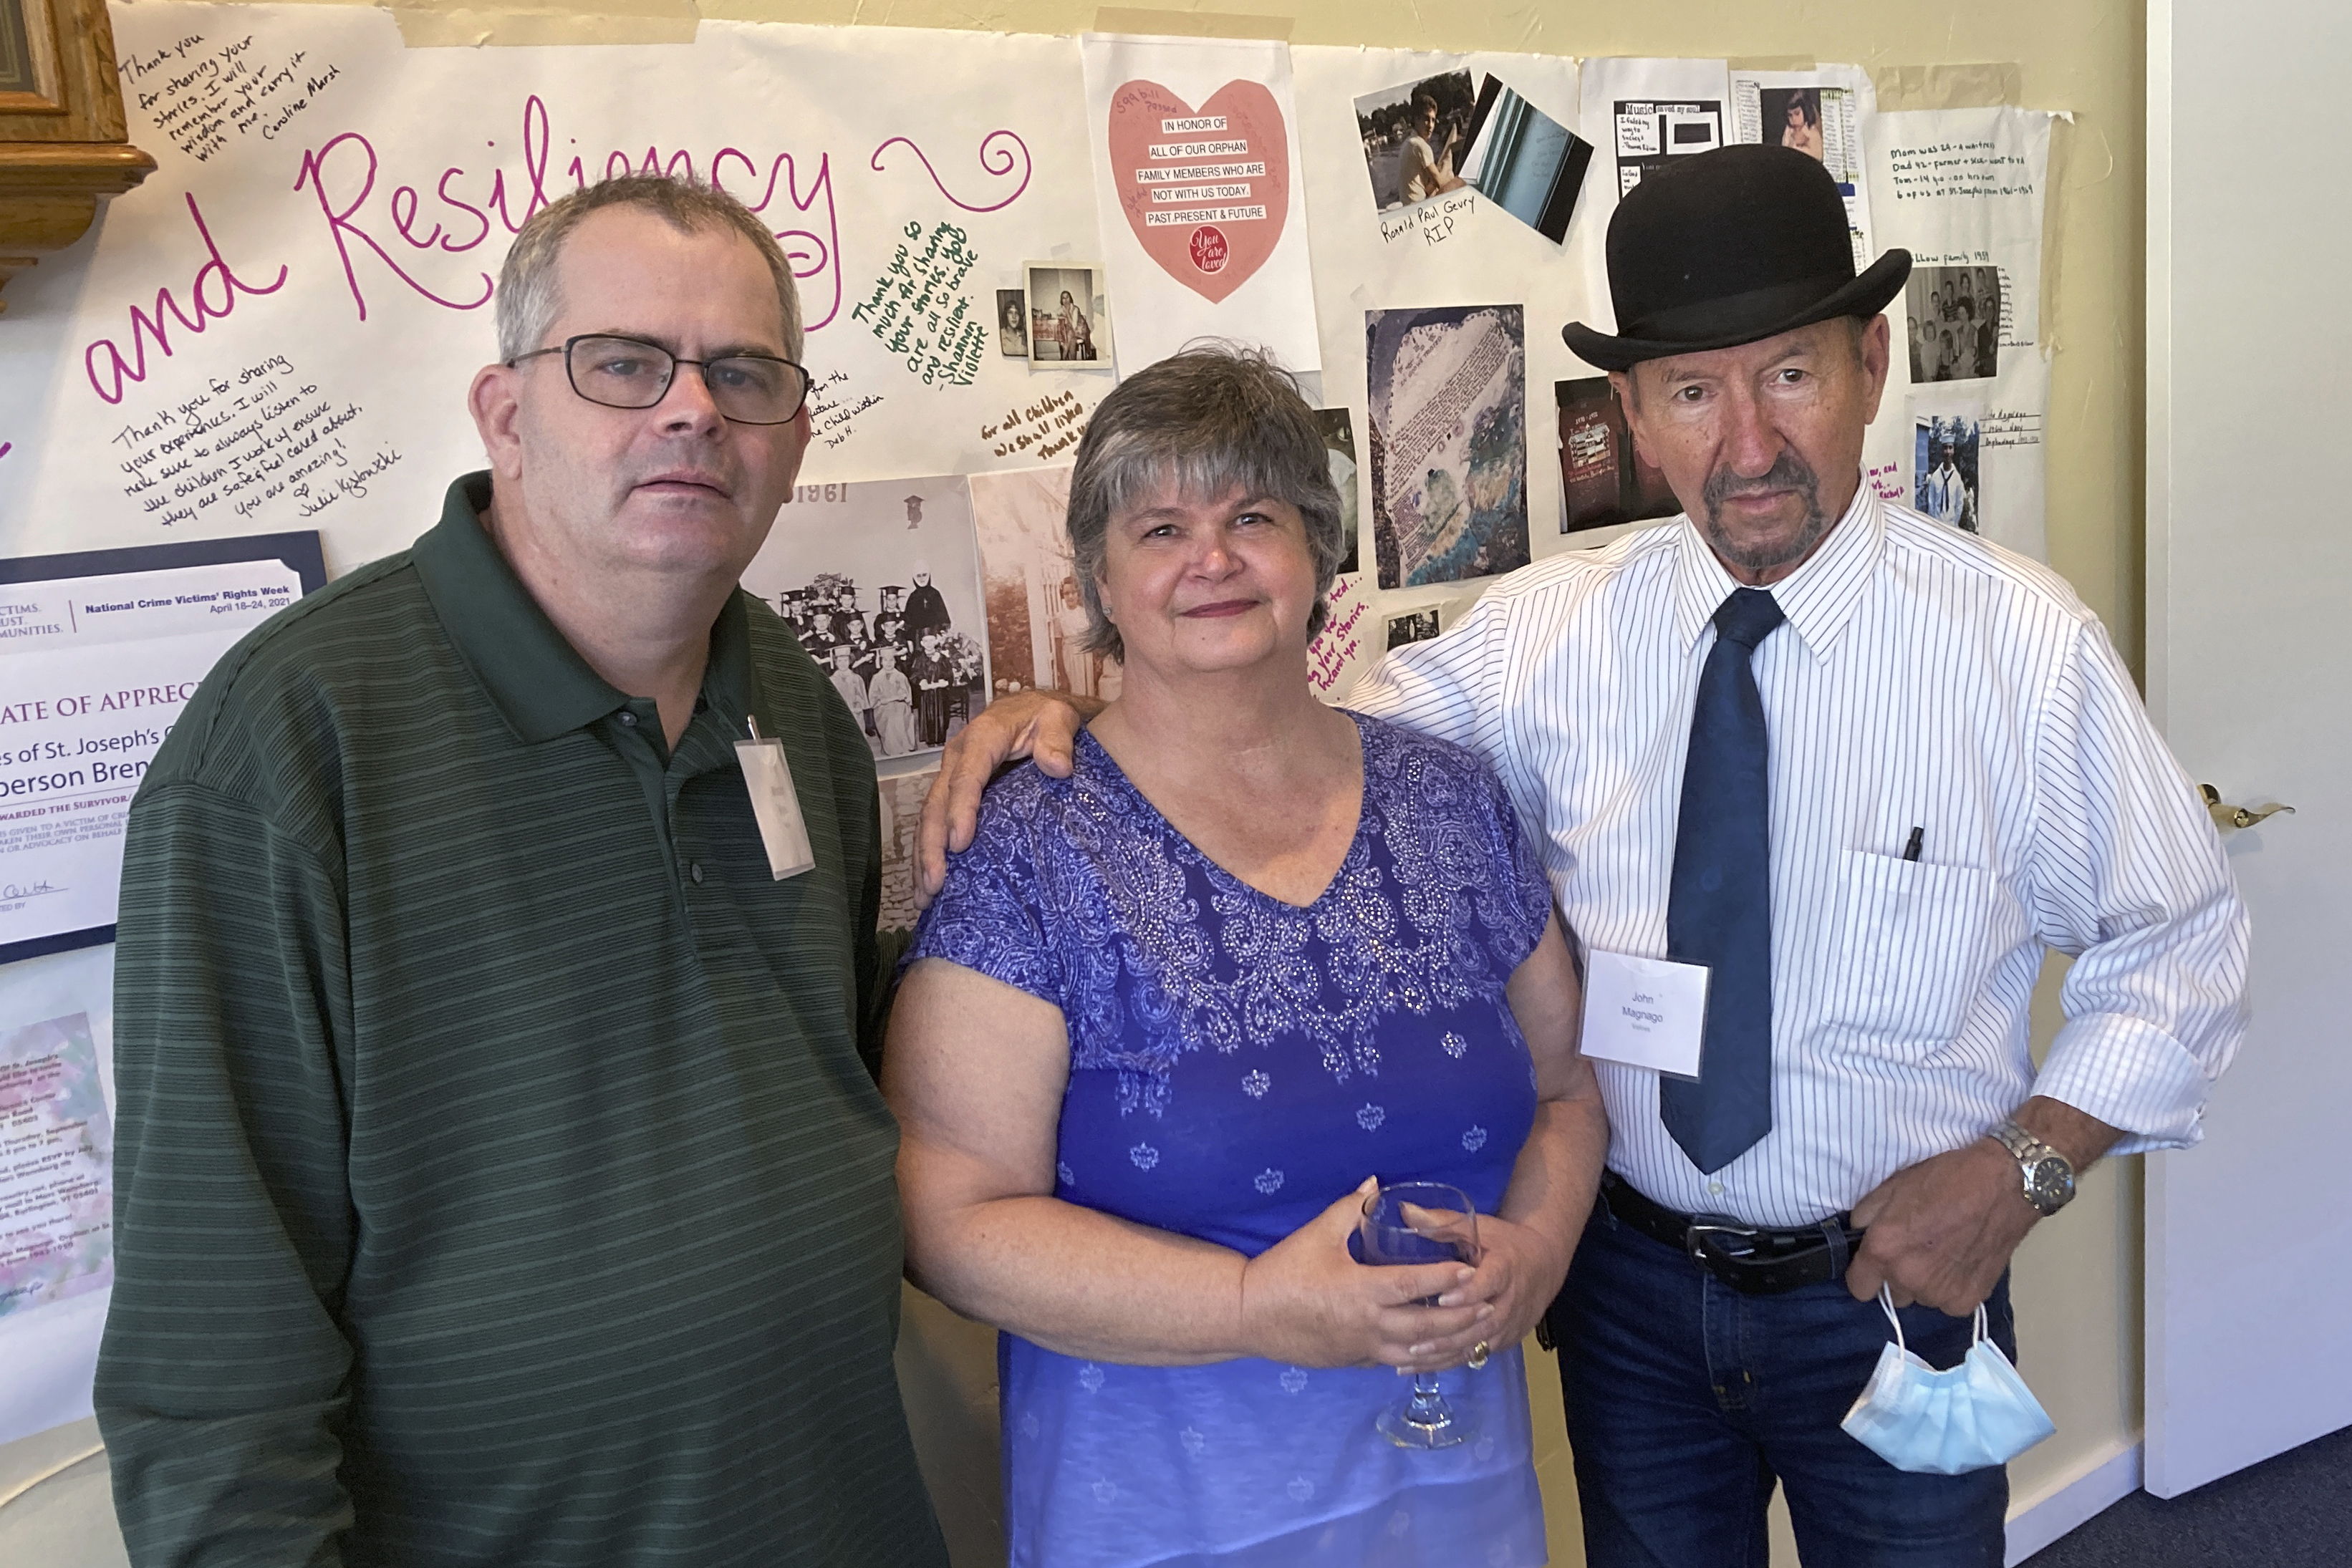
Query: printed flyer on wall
x,y
99,653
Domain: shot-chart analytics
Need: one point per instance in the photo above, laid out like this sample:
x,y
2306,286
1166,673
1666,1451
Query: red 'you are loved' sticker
x,y
1205,190
1208,248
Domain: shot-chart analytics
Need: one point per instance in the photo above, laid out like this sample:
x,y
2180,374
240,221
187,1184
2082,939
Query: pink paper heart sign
x,y
1205,190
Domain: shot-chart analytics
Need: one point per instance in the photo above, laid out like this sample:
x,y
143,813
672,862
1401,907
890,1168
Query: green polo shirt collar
x,y
534,677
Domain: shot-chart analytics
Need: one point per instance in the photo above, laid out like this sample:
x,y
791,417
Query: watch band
x,y
2033,1159
2021,1144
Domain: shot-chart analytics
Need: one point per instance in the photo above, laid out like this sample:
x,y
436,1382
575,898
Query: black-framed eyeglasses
x,y
629,373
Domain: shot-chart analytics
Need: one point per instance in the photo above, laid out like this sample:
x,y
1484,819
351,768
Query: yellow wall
x,y
2078,1283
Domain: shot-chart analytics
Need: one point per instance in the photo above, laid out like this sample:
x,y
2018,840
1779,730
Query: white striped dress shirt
x,y
1924,678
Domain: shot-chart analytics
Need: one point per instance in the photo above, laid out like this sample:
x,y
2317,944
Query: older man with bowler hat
x,y
1862,769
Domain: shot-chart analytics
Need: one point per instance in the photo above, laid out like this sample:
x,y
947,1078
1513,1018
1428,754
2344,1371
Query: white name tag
x,y
776,807
1644,1012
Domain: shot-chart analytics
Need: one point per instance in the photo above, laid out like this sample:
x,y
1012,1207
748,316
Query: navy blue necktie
x,y
1719,907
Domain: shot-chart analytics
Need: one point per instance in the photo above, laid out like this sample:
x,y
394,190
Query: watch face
x,y
2051,1184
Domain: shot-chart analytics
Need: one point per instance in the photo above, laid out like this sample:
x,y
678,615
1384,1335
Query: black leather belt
x,y
1749,1258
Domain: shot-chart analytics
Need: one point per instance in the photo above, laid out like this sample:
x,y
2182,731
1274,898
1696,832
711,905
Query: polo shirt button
x,y
695,871
628,719
1714,1188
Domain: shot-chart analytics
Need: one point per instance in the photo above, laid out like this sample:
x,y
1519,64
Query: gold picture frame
x,y
30,81
64,144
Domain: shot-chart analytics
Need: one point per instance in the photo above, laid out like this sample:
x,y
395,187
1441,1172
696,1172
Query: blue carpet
x,y
2291,1512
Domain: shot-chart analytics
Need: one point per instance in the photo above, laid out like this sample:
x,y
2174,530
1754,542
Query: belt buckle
x,y
1717,1260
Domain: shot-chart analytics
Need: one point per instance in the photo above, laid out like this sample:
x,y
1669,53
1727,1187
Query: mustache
x,y
1789,472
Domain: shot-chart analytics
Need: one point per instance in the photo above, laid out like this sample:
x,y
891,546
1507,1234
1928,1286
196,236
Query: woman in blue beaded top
x,y
1170,1018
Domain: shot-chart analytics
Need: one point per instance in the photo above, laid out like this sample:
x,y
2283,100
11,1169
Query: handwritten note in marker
x,y
1644,1012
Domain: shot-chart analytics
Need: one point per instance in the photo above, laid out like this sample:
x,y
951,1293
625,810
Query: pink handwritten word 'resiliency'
x,y
109,367
342,174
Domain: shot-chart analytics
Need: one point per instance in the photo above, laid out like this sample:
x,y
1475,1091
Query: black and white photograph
x,y
1952,318
1066,310
880,582
1415,135
1525,162
1012,323
1339,449
1944,457
1412,626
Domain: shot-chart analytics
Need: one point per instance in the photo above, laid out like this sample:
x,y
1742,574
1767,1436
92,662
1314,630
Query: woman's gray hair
x,y
1201,423
529,299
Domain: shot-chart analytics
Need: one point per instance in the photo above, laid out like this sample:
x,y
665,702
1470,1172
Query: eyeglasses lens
x,y
621,372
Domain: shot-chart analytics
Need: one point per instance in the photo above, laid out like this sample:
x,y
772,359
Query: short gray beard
x,y
1789,472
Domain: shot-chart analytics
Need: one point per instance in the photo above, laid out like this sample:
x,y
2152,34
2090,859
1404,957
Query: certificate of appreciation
x,y
99,653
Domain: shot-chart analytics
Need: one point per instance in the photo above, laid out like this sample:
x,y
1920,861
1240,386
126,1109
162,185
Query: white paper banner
x,y
310,227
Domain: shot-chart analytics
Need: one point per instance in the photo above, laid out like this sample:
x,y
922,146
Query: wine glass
x,y
1420,1222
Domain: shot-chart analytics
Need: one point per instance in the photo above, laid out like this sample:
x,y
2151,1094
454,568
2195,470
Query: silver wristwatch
x,y
2049,1174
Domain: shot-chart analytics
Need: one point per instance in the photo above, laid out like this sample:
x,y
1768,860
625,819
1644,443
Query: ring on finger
x,y
1478,1353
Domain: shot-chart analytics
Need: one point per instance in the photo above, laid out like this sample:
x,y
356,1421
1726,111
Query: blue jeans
x,y
1688,1401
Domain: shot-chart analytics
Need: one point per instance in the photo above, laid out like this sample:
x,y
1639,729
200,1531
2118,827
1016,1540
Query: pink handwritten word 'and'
x,y
109,367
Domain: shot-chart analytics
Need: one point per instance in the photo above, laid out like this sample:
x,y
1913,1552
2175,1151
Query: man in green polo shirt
x,y
500,1176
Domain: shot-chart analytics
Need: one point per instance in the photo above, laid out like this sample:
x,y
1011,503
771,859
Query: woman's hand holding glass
x,y
1306,1302
1519,1272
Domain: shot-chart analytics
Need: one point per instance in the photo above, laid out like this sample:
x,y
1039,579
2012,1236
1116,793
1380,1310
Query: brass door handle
x,y
2228,816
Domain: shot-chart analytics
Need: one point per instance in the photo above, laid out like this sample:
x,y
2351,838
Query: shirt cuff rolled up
x,y
2131,1075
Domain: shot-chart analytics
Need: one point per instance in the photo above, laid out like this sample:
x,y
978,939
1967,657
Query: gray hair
x,y
529,299
1202,422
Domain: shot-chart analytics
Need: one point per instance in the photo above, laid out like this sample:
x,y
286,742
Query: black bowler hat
x,y
1727,247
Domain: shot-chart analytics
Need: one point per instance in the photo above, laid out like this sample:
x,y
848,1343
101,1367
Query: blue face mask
x,y
1916,1418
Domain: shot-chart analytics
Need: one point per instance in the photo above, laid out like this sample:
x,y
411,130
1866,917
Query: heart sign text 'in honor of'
x,y
1205,190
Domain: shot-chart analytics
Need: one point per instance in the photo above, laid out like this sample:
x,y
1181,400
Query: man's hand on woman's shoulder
x,y
1042,727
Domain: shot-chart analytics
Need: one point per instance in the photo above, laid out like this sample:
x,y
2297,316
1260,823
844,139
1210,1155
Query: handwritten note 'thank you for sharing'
x,y
258,436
